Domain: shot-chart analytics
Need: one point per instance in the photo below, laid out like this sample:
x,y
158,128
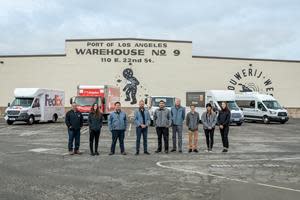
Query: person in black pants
x,y
162,120
209,120
74,122
117,124
95,124
224,121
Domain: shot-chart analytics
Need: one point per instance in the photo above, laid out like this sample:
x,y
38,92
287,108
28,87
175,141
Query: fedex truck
x,y
35,105
152,103
215,97
261,107
104,95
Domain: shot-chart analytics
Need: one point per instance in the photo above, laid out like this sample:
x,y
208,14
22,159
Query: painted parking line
x,y
161,164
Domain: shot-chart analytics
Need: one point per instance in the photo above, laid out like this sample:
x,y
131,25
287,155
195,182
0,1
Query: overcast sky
x,y
254,28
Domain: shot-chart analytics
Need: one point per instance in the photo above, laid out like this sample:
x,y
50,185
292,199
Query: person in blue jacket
x,y
117,124
177,115
142,121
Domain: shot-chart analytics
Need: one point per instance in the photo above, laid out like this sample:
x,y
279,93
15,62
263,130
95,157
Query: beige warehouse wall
x,y
165,75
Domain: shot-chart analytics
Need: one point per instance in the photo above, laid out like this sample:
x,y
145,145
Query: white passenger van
x,y
215,98
261,107
35,104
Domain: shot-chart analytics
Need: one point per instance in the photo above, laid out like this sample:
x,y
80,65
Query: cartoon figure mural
x,y
132,87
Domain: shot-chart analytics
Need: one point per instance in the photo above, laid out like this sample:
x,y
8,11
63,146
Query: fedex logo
x,y
56,101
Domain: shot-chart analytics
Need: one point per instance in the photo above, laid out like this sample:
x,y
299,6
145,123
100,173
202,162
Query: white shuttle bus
x,y
215,97
35,104
261,107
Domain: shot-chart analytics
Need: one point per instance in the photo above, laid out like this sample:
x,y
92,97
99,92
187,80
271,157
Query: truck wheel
x,y
9,122
282,122
239,124
266,119
30,121
54,118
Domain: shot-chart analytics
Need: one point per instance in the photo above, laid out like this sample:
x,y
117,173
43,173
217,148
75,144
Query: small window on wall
x,y
195,98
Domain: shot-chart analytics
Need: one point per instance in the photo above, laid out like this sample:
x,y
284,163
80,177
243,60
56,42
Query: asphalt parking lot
x,y
263,163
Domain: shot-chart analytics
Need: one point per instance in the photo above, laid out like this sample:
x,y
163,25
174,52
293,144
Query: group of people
x,y
163,119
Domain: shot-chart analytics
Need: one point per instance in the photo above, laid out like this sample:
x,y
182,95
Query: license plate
x,y
12,119
283,118
236,120
85,117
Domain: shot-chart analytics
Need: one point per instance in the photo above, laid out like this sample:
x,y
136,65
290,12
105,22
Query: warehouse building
x,y
161,67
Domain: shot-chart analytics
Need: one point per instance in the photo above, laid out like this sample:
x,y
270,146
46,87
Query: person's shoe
x,y
111,153
190,150
97,153
180,151
137,153
124,153
210,150
225,151
196,150
77,152
173,150
157,151
71,153
92,154
166,151
206,150
147,153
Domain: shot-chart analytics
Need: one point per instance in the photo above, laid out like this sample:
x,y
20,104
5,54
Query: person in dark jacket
x,y
117,123
74,122
95,124
209,121
224,121
142,121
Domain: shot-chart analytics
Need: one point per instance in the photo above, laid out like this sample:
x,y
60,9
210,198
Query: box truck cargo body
x,y
36,104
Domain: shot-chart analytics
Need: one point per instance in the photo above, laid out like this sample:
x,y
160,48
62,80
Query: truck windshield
x,y
272,105
169,102
86,101
24,102
231,105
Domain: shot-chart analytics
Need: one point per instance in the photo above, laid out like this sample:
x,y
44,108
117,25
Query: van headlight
x,y
273,112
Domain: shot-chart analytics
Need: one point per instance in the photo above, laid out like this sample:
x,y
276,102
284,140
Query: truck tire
x,y
9,122
30,120
54,118
283,122
239,124
266,119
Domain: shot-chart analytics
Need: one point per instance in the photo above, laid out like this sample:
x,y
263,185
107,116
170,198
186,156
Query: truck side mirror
x,y
71,100
8,105
242,109
146,101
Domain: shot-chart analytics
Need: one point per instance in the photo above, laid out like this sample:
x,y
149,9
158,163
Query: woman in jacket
x,y
95,121
209,120
224,121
